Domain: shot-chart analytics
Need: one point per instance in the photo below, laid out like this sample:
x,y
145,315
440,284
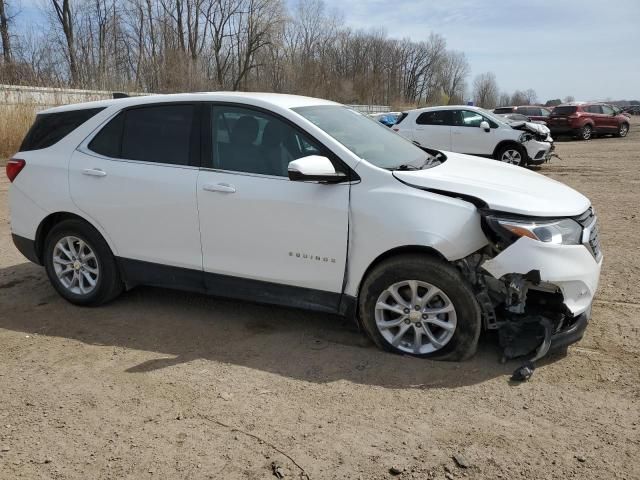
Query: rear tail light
x,y
14,167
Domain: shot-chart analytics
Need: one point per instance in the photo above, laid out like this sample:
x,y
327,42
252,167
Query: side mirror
x,y
314,168
485,126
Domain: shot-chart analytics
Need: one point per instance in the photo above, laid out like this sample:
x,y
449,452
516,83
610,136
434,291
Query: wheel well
x,y
47,224
507,143
407,249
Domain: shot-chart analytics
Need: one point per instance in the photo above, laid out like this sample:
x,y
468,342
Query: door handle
x,y
94,172
219,187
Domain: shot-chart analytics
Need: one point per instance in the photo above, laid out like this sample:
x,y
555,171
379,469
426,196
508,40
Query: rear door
x,y
433,129
136,178
468,137
595,113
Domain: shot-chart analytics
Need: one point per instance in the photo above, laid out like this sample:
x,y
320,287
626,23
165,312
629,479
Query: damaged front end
x,y
535,281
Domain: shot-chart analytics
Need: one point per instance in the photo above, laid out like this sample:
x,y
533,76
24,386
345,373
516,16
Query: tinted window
x,y
564,110
107,141
594,109
250,141
503,110
50,128
159,134
607,110
438,117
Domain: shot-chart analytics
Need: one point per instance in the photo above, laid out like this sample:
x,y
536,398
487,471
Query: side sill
x,y
137,272
26,247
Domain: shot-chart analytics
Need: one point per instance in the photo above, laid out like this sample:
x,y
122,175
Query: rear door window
x,y
158,134
564,110
437,117
50,128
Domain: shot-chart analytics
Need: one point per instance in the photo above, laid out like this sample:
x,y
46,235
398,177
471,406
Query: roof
x,y
251,98
445,107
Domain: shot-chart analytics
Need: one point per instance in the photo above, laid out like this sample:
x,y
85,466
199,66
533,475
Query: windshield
x,y
367,138
494,117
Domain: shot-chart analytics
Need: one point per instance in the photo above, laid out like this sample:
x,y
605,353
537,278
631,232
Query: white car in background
x,y
305,203
475,131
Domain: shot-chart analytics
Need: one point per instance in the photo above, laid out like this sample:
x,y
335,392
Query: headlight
x,y
525,137
561,232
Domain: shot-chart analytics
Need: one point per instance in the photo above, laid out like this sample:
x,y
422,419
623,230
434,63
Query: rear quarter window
x,y
564,110
50,128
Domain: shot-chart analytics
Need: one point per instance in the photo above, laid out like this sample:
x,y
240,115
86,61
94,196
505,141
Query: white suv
x,y
476,131
305,203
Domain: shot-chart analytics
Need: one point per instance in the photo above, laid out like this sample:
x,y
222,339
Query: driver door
x,y
468,137
264,236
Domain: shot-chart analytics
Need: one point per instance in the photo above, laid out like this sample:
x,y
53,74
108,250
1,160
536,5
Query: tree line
x,y
202,45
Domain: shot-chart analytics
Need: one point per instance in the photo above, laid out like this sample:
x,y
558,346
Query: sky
x,y
589,49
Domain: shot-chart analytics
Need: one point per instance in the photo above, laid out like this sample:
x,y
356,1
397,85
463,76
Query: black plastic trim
x,y
137,272
26,247
572,334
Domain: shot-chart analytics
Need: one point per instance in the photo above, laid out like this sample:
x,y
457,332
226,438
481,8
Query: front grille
x,y
591,238
594,241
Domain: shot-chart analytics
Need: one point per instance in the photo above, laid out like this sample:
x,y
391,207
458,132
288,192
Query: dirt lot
x,y
163,384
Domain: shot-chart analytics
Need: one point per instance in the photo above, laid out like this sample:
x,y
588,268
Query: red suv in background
x,y
585,120
535,113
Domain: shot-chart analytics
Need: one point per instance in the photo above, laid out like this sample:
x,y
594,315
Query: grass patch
x,y
15,120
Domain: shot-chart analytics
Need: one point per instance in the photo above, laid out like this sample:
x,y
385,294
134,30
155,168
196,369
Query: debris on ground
x,y
461,461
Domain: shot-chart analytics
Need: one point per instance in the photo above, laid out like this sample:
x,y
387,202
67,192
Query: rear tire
x,y
447,310
586,132
80,264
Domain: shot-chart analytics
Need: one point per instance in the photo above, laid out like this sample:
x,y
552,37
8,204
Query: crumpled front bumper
x,y
539,152
571,334
571,268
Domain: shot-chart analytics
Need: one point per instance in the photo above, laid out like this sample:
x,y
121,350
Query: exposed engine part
x,y
516,294
472,271
525,311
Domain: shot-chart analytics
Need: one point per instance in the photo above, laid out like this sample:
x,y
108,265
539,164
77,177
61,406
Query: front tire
x,y
512,154
420,306
623,129
80,265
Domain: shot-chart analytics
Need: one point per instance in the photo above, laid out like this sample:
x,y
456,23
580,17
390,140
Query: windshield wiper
x,y
406,166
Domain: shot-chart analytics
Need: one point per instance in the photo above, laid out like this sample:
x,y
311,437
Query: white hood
x,y
503,187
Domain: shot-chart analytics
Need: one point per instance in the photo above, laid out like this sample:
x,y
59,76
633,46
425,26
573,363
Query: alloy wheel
x,y
76,265
415,317
586,132
624,129
513,157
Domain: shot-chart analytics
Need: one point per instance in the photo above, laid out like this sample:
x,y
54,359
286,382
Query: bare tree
x,y
453,73
531,96
485,90
504,99
519,98
569,99
66,20
4,32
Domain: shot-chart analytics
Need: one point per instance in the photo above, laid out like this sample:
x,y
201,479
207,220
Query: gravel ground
x,y
163,384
